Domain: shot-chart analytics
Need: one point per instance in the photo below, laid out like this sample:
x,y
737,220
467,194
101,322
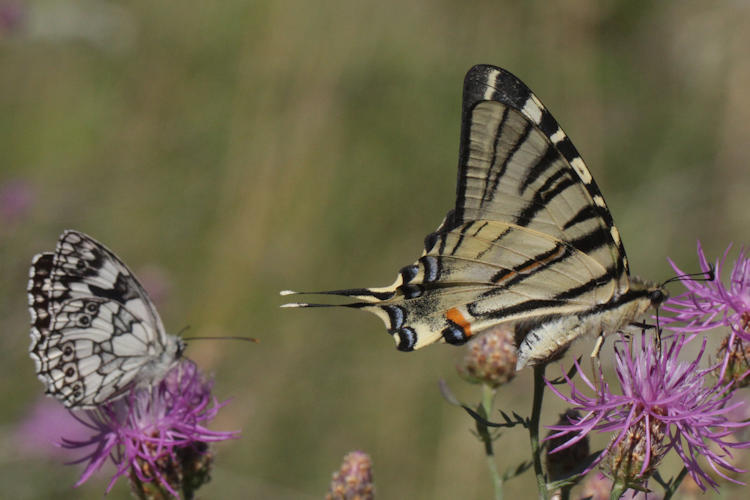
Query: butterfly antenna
x,y
709,275
184,329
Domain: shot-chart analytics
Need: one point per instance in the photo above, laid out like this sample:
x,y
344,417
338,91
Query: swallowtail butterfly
x,y
530,242
94,330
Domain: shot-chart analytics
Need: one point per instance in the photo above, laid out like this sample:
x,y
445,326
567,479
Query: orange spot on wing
x,y
455,315
539,263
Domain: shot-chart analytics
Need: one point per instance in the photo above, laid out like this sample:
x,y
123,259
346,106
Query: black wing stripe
x,y
520,308
508,157
548,124
586,213
586,287
462,234
597,238
539,168
533,265
541,197
489,192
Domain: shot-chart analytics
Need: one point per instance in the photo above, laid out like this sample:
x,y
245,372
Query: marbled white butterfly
x,y
94,330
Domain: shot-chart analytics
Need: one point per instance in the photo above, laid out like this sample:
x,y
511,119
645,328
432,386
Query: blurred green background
x,y
228,150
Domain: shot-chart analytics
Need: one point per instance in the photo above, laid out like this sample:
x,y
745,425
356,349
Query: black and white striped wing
x,y
530,241
516,165
94,329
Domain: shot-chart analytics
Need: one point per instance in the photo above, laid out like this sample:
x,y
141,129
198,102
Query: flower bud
x,y
353,481
565,462
490,358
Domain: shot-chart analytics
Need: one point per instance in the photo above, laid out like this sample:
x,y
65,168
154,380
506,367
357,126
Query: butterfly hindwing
x,y
471,279
98,349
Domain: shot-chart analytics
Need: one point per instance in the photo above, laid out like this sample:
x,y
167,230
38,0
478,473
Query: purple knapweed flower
x,y
663,404
156,435
710,304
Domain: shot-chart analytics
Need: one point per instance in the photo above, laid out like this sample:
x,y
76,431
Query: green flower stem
x,y
618,490
488,399
536,413
675,484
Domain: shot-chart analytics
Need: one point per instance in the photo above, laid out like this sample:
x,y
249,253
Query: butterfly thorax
x,y
161,362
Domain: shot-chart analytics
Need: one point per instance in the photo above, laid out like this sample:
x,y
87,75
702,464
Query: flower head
x,y
710,304
353,481
663,404
157,435
490,358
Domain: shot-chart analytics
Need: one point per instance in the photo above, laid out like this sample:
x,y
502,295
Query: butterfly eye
x,y
84,320
92,307
657,297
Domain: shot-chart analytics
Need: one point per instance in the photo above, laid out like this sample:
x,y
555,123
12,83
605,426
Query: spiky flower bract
x,y
155,435
662,404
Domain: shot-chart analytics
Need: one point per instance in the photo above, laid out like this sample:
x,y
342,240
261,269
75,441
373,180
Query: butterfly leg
x,y
596,365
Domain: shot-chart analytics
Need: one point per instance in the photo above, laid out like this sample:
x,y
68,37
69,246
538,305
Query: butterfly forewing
x,y
517,165
84,267
529,243
94,330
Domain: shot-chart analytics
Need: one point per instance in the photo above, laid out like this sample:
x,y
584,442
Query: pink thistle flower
x,y
710,304
663,404
157,435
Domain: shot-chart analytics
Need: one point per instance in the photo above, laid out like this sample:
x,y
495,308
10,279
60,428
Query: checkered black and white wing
x,y
94,330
